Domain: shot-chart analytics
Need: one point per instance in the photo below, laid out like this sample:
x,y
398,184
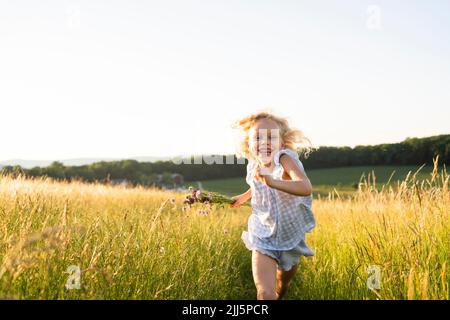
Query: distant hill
x,y
411,151
149,171
28,164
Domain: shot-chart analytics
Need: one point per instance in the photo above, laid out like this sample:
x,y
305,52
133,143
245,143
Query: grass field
x,y
136,243
327,180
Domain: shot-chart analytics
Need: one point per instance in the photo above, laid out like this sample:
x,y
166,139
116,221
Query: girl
x,y
281,201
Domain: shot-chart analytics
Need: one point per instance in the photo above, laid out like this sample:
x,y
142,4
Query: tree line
x,y
412,151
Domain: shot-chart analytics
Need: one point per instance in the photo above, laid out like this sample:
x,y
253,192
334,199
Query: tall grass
x,y
137,243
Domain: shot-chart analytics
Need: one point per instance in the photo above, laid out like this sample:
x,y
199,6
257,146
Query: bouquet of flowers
x,y
206,198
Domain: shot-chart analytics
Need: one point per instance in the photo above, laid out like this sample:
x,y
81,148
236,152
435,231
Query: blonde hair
x,y
292,138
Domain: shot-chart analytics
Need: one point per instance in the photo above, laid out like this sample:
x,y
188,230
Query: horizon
x,y
94,79
169,158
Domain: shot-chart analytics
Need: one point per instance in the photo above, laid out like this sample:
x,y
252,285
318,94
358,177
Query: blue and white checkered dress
x,y
279,220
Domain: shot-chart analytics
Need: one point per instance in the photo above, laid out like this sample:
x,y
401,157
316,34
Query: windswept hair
x,y
291,137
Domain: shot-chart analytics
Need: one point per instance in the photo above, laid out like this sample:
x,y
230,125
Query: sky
x,y
163,78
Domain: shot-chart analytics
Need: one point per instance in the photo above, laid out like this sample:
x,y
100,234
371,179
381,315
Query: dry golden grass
x,y
136,243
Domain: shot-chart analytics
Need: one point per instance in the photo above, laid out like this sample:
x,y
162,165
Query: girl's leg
x,y
264,274
283,280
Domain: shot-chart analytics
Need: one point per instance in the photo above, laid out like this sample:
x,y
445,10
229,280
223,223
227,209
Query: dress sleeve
x,y
290,153
306,201
250,172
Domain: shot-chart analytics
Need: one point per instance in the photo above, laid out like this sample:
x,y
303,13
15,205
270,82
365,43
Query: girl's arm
x,y
242,198
299,185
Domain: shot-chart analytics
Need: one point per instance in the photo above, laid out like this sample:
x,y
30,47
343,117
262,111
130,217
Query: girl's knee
x,y
266,294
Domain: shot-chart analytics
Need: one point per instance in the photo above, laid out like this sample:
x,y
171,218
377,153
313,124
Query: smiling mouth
x,y
265,152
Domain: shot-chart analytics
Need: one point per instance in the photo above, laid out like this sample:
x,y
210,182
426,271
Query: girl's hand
x,y
241,199
266,179
238,201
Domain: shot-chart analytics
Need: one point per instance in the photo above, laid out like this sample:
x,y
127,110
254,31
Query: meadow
x,y
343,180
139,243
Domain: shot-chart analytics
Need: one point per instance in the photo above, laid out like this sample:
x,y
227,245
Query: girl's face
x,y
264,140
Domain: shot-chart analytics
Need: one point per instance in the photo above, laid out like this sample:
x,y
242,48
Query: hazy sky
x,y
151,78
